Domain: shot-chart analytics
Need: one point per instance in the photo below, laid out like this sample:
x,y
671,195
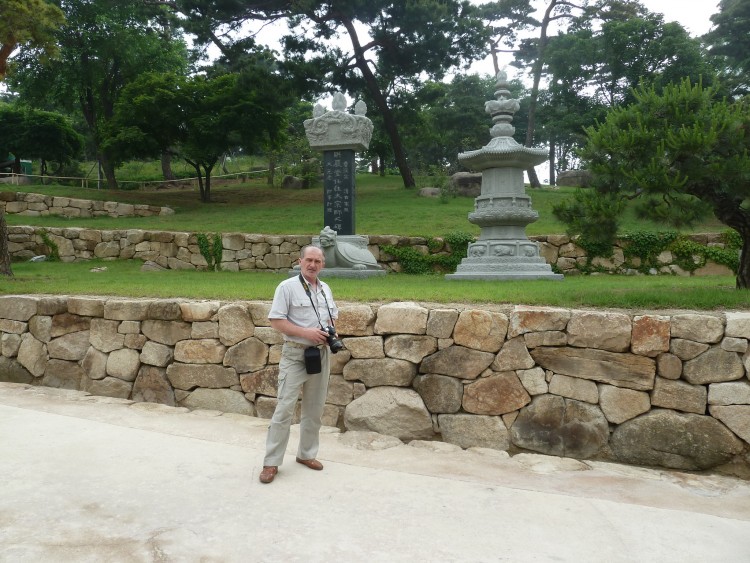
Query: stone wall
x,y
41,205
279,252
656,389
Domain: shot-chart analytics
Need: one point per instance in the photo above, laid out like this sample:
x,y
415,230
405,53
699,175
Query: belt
x,y
300,345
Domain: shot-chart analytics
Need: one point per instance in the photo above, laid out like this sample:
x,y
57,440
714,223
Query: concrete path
x,y
104,480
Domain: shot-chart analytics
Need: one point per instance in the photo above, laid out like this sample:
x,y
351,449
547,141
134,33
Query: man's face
x,y
312,263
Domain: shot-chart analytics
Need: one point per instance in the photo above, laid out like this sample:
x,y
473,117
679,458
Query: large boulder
x,y
469,431
390,410
467,183
563,427
677,440
580,178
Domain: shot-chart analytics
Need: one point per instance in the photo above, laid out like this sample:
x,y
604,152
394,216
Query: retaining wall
x,y
30,204
655,389
242,251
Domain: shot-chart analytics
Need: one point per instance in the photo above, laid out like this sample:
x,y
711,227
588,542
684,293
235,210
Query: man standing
x,y
302,309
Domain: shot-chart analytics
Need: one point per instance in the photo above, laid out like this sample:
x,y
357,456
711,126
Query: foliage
x,y
28,23
406,40
415,262
679,152
54,251
729,42
647,246
104,45
198,118
29,133
211,250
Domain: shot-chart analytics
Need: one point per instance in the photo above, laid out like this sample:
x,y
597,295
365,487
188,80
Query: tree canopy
x,y
679,152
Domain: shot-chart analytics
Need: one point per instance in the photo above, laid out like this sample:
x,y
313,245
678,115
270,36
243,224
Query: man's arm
x,y
315,334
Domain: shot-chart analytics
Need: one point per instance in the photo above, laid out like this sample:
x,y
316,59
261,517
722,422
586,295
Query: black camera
x,y
334,343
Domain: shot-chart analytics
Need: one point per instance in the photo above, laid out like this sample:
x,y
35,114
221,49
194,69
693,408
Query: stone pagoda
x,y
502,210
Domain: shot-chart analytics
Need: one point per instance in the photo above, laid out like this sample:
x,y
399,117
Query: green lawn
x,y
124,278
383,207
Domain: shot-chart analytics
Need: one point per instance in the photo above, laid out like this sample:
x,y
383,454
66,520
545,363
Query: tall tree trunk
x,y
743,271
377,95
537,77
5,268
552,149
166,165
271,168
109,171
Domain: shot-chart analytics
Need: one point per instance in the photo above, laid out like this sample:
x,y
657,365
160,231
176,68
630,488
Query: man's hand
x,y
315,335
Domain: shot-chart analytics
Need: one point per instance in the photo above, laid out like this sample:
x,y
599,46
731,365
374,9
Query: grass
x,y
383,207
124,278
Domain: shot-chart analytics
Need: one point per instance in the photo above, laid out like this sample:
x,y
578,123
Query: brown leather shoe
x,y
268,473
311,463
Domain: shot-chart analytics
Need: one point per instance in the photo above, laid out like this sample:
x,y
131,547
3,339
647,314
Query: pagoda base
x,y
504,268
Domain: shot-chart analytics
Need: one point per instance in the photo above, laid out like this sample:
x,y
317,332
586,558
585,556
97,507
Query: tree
x,y
27,23
729,41
197,118
404,41
104,45
678,153
32,134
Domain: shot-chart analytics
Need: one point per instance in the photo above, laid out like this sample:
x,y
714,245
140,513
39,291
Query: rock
x,y
340,391
650,335
410,348
440,393
166,332
365,347
440,322
401,318
467,184
198,310
104,336
429,192
481,330
151,266
679,396
676,440
574,388
390,410
533,380
32,355
72,346
378,372
513,355
619,405
457,361
735,417
190,376
152,386
204,351
124,364
293,183
62,374
235,324
622,370
13,372
65,323
579,178
155,354
687,349
469,431
224,400
495,394
733,393
668,366
17,307
698,328
738,325
107,387
94,363
563,427
525,319
249,355
126,310
261,382
713,366
602,331
355,320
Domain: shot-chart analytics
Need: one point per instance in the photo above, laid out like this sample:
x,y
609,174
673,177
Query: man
x,y
302,308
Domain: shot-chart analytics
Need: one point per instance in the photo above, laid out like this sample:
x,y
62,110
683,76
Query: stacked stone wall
x,y
36,205
655,389
176,250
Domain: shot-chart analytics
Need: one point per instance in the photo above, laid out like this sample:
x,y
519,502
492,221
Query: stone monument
x,y
338,135
502,210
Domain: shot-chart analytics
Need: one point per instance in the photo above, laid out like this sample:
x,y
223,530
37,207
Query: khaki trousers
x,y
293,379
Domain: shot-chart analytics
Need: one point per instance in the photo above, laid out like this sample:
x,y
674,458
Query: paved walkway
x,y
96,479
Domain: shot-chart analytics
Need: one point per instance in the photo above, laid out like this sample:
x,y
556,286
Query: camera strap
x,y
306,287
